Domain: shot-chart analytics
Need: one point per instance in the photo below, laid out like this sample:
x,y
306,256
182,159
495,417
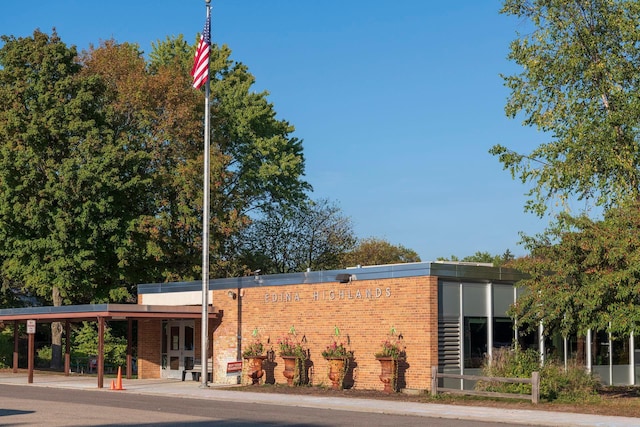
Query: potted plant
x,y
295,357
338,357
390,352
254,354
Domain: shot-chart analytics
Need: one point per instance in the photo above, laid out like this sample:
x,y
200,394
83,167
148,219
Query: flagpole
x,y
204,345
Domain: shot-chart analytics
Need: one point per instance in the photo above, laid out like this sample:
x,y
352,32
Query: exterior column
x,y
129,348
632,359
589,350
565,350
16,337
67,348
30,358
461,321
490,315
610,356
100,352
541,343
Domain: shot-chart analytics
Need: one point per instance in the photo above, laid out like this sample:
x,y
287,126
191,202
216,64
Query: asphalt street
x,y
76,400
37,406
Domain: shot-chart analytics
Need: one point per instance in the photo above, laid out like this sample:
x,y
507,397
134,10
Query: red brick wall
x,y
364,311
149,348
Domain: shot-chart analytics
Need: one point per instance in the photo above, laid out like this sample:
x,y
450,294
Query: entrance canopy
x,y
78,313
96,313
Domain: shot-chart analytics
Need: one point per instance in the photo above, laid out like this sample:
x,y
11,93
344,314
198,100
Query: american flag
x,y
200,70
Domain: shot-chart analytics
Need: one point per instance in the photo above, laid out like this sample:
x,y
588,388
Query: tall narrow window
x,y
502,332
475,341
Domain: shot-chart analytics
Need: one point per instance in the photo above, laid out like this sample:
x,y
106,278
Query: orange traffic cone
x,y
119,380
113,385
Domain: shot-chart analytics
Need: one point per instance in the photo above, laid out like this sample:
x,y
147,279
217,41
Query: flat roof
x,y
445,270
91,312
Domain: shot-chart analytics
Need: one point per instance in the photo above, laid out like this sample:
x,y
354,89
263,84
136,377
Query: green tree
x,y
310,235
479,257
484,257
374,251
157,113
69,191
496,260
578,85
172,51
85,341
255,162
583,274
101,167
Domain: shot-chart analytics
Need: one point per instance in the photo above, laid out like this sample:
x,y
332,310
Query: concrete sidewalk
x,y
192,389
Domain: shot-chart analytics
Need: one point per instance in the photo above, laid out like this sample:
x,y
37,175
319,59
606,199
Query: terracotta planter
x,y
336,372
289,369
389,373
254,370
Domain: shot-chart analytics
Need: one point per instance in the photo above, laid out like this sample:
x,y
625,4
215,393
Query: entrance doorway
x,y
177,347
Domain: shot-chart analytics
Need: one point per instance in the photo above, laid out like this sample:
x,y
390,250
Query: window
x,y
475,341
600,348
502,299
449,299
502,332
188,338
620,351
527,338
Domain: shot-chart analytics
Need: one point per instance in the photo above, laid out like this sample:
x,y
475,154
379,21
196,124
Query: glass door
x,y
179,336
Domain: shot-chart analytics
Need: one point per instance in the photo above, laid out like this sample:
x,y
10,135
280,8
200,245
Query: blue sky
x,y
398,103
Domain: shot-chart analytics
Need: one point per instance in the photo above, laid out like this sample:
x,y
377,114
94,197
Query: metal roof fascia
x,y
471,272
54,310
89,310
310,277
442,270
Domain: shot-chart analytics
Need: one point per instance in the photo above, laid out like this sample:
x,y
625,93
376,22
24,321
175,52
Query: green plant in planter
x,y
336,349
391,350
339,358
291,347
255,348
392,347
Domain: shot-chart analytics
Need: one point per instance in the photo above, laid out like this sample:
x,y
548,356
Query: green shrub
x,y
85,343
43,357
574,384
510,364
6,348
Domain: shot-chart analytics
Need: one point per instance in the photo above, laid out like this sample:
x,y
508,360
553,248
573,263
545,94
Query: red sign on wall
x,y
234,368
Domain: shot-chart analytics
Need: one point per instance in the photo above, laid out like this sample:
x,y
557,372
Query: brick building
x,y
419,301
450,315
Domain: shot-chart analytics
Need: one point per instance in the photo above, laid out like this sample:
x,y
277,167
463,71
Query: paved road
x,y
55,399
36,406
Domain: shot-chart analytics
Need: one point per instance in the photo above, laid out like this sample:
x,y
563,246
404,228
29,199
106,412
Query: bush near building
x,y
574,384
